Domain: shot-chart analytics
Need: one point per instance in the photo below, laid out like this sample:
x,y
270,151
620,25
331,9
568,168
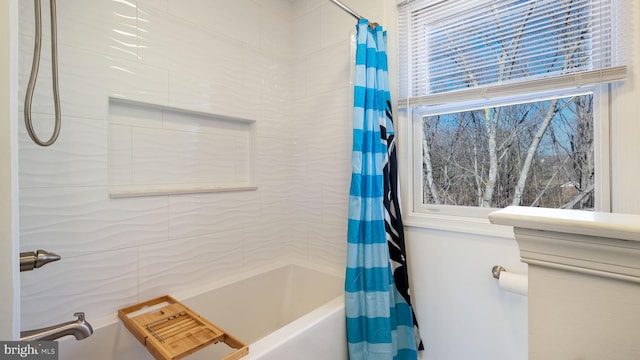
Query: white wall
x,y
240,59
462,312
9,322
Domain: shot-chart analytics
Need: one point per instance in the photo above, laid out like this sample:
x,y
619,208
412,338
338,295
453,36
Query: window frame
x,y
474,220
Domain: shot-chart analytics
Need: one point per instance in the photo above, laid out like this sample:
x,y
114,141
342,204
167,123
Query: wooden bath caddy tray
x,y
170,330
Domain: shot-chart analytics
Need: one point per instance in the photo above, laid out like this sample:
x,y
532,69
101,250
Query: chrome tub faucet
x,y
79,328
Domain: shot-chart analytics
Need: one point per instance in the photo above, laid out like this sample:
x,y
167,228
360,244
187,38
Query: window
x,y
536,153
508,101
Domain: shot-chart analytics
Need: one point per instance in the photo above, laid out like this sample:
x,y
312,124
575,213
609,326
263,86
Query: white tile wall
x,y
77,159
78,220
120,162
281,63
238,19
277,27
258,252
97,284
308,34
164,266
194,215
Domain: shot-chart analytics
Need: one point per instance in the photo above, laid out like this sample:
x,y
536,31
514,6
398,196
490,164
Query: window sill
x,y
459,224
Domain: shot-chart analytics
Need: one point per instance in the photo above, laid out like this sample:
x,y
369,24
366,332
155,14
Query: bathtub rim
x,y
275,339
185,295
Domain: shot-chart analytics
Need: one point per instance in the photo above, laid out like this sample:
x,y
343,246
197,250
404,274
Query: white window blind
x,y
469,49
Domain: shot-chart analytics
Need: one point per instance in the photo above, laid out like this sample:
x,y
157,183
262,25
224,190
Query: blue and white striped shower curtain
x,y
380,320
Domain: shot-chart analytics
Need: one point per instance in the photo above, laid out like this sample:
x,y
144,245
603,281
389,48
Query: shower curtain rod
x,y
347,9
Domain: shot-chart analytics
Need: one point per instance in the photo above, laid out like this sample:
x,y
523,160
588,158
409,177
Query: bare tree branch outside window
x,y
543,156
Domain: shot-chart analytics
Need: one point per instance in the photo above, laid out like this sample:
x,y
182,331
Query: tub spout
x,y
79,328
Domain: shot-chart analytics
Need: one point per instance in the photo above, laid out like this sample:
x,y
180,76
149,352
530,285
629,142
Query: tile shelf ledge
x,y
601,244
126,191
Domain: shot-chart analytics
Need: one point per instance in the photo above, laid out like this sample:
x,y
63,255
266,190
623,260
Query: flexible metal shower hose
x,y
34,76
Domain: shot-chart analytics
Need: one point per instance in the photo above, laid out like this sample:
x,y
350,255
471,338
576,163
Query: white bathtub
x,y
290,312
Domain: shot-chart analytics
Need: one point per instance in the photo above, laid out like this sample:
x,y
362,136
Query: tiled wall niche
x,y
158,150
